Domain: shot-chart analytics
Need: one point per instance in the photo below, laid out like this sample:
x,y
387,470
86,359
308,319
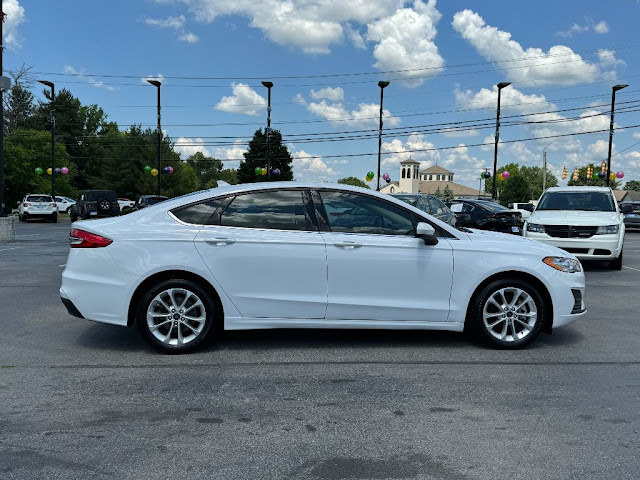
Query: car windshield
x,y
100,194
39,198
493,207
591,201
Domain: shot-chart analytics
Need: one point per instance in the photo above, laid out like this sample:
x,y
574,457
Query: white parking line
x,y
631,268
5,249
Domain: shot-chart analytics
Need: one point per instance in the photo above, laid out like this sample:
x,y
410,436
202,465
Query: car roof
x,y
579,188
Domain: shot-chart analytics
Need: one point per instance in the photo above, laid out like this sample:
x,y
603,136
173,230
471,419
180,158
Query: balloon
x,y
49,171
147,169
369,176
263,171
596,176
58,171
258,170
154,172
386,177
38,171
486,174
170,170
64,170
612,176
602,174
620,174
506,174
388,180
276,171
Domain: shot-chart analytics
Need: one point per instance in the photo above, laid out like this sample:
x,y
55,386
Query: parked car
x,y
64,204
430,204
95,203
287,254
38,205
126,205
525,209
487,215
585,221
631,211
147,200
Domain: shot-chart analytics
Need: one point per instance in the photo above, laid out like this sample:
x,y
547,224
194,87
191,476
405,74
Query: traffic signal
x,y
565,173
589,171
576,175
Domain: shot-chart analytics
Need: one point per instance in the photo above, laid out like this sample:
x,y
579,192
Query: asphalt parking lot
x,y
86,400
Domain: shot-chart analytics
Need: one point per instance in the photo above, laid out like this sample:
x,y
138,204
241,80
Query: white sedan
x,y
293,255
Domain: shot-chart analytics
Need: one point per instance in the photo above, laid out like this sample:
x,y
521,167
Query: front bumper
x,y
597,247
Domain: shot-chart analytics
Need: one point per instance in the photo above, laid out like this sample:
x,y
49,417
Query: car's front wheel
x,y
507,313
616,263
176,316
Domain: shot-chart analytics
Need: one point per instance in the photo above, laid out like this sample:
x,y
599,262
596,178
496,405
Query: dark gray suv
x,y
95,203
430,204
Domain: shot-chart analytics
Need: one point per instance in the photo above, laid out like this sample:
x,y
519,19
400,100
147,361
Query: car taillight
x,y
83,239
53,205
26,204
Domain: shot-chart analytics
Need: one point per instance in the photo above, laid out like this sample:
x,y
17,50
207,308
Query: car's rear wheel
x,y
85,215
616,263
507,313
25,217
54,218
175,316
73,216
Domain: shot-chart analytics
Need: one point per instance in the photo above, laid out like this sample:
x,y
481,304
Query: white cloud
x,y
608,58
560,65
14,17
245,100
68,69
636,134
308,167
188,37
329,93
189,146
232,154
601,27
170,22
405,41
312,26
460,133
367,114
415,147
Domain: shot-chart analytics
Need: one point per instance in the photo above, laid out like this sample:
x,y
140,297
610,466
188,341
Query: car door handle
x,y
347,245
220,241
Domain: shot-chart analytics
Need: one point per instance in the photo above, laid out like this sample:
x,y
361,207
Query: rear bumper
x,y
71,308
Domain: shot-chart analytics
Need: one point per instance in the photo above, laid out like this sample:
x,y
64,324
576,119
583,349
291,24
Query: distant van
x,y
524,208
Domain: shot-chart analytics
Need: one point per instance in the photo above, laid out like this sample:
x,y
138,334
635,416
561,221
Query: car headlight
x,y
535,227
607,229
564,264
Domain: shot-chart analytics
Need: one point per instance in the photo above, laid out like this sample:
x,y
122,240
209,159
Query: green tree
x,y
447,194
353,181
533,176
256,157
229,175
18,102
438,193
632,185
206,169
515,189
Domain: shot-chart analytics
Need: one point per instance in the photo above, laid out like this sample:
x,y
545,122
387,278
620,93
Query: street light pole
x,y
382,84
156,83
544,168
53,134
614,89
500,86
268,132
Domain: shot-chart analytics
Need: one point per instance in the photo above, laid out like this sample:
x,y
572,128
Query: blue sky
x,y
325,58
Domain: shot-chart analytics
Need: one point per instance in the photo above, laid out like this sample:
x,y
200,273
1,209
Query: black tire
x,y
194,332
21,218
73,216
126,210
25,217
616,263
68,211
54,219
85,215
526,321
104,206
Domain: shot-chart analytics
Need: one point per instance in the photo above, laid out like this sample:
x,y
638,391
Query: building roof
x,y
620,194
436,169
409,161
426,186
632,196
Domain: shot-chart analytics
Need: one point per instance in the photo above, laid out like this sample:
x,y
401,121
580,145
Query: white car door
x,y
377,269
271,230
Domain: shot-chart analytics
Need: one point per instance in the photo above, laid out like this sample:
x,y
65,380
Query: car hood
x,y
574,217
490,241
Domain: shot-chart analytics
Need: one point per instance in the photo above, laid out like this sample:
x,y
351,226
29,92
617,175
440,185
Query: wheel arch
x,y
518,275
173,275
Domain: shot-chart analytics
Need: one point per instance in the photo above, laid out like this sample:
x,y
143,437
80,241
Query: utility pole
x,y
2,213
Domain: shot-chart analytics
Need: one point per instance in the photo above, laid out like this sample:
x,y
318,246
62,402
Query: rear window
x,y
95,195
39,198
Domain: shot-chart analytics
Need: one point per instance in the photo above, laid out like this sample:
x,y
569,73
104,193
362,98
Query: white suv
x,y
585,221
38,206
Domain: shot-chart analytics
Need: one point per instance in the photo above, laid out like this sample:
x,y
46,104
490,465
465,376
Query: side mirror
x,y
462,219
626,208
427,233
